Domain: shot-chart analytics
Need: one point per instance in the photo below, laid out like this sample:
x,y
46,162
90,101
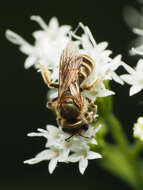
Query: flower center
x,y
52,36
68,145
84,154
55,154
141,80
57,134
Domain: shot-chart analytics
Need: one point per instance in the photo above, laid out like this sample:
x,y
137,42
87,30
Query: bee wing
x,y
75,91
69,71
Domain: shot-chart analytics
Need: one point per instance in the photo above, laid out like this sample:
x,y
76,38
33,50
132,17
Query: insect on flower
x,y
71,108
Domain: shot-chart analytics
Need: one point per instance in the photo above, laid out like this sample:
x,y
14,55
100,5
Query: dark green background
x,y
23,93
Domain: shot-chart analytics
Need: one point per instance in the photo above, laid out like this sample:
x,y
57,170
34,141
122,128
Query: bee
x,y
72,113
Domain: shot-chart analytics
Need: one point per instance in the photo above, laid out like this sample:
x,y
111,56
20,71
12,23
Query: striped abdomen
x,y
85,68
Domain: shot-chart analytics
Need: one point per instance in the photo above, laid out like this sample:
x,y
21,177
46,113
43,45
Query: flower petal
x,y
102,46
98,128
139,66
52,129
135,89
53,24
52,165
74,157
138,50
40,21
35,135
93,141
127,78
83,163
27,49
115,62
52,93
93,155
30,61
128,68
105,92
14,38
32,161
44,155
138,31
116,78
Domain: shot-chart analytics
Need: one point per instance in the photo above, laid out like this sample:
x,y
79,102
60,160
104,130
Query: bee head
x,y
75,128
84,126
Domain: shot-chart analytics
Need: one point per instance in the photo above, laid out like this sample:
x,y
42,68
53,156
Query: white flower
x,y
49,43
134,19
139,48
54,135
138,129
91,132
82,151
53,154
82,157
58,149
135,77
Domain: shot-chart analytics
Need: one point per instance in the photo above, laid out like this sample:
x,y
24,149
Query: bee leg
x,y
93,107
90,86
68,139
50,104
59,121
47,79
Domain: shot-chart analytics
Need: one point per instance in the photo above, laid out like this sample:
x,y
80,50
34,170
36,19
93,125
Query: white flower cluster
x,y
52,39
134,19
58,149
138,129
135,76
49,43
139,49
104,66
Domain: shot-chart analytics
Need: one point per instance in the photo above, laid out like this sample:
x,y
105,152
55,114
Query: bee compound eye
x,y
65,129
85,127
86,114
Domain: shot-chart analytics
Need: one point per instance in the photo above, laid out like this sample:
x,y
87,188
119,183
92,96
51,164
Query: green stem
x,y
120,158
117,132
137,148
134,174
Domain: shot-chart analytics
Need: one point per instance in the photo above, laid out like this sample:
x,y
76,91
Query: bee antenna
x,y
83,136
67,139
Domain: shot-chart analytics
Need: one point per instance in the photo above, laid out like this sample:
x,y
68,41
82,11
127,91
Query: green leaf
x,y
118,163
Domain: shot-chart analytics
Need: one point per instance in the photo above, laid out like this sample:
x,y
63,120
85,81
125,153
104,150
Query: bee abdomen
x,y
85,68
